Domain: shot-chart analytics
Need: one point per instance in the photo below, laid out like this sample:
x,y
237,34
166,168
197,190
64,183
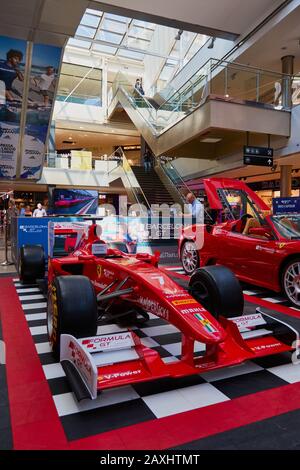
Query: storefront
x,y
267,190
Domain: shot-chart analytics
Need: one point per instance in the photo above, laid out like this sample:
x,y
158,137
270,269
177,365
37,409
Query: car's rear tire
x,y
217,289
290,281
31,263
72,309
189,256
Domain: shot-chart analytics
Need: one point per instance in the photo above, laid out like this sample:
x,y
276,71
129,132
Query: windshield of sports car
x,y
287,225
236,203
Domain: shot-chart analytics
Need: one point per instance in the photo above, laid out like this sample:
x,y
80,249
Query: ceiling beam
x,y
170,22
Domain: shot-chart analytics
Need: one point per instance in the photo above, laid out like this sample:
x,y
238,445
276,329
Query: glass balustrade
x,y
216,79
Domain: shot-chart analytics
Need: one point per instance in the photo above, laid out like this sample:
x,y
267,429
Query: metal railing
x,y
216,79
132,183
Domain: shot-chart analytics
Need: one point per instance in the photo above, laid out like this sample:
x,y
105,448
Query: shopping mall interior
x,y
150,183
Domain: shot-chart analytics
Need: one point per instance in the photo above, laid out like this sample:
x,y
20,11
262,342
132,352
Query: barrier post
x,y
6,262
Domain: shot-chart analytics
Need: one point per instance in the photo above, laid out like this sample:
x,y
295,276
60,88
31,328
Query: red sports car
x,y
96,283
259,248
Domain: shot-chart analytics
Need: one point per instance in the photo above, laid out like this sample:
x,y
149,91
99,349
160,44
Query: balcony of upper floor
x,y
222,99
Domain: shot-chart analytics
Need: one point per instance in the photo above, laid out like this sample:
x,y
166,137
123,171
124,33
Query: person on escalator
x,y
147,161
139,86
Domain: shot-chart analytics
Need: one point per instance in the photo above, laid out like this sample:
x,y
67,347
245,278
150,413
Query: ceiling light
x,y
178,35
211,140
211,43
70,138
81,127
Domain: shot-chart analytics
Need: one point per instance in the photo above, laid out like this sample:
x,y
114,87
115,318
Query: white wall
x,y
78,112
162,42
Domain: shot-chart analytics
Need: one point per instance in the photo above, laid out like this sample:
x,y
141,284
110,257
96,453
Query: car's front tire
x,y
217,289
72,309
31,263
291,281
189,256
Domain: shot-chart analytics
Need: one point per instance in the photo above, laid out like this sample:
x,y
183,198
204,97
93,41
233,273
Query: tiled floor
x,y
139,403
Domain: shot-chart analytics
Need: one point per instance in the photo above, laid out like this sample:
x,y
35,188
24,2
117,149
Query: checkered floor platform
x,y
130,405
248,289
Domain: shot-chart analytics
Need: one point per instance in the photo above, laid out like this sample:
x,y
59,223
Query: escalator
x,y
210,101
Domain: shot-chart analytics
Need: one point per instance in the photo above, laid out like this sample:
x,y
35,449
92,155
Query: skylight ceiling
x,y
128,38
113,35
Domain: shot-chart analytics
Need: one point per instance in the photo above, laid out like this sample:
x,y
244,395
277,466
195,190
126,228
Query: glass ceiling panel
x,y
78,43
144,24
141,33
90,20
114,26
94,12
86,32
137,43
131,39
109,37
131,54
117,17
105,49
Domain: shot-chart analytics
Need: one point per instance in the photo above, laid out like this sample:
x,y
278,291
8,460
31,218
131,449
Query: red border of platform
x,y
36,424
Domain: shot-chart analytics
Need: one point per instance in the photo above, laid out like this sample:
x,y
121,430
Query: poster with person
x,y
12,67
43,77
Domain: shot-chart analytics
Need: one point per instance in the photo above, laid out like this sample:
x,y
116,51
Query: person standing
x,y
44,83
22,210
147,161
196,208
139,86
39,211
28,212
9,72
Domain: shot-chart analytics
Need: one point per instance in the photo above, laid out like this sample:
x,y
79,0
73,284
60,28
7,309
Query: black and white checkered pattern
x,y
255,291
128,405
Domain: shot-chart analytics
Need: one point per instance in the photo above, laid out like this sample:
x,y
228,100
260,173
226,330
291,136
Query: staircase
x,y
153,188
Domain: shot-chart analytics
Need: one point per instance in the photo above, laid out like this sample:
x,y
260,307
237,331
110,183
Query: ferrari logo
x,y
281,245
99,270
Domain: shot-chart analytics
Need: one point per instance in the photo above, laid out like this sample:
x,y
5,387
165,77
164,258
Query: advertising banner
x,y
81,160
43,75
12,66
286,205
75,201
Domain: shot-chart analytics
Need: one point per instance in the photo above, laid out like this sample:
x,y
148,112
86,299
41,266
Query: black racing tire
x,y
189,249
31,263
72,309
218,290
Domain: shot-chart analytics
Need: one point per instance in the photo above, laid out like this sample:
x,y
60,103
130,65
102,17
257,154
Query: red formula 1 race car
x,y
260,249
96,282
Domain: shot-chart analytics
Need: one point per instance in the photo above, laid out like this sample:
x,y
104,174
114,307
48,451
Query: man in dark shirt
x,y
9,71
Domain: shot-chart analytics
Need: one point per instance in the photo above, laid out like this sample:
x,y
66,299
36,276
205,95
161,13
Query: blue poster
x,y
43,78
286,205
12,67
